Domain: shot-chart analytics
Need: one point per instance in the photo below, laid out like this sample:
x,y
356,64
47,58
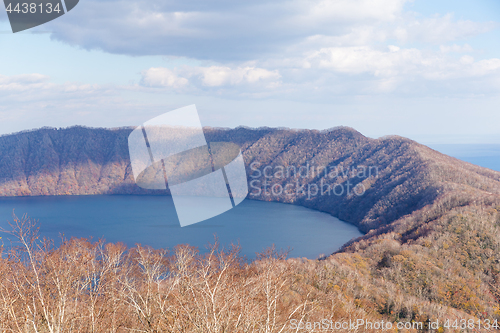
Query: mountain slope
x,y
432,244
395,176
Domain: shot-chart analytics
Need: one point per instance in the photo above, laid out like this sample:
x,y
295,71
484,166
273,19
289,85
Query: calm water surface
x,y
152,220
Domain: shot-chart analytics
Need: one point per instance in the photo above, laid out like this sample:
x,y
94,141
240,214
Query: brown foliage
x,y
84,286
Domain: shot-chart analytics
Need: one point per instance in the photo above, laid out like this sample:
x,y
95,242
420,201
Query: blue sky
x,y
428,70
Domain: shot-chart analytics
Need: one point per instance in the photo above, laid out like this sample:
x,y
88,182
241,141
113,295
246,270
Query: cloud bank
x,y
330,52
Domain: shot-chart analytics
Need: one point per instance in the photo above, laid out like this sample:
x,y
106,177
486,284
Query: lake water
x,y
151,220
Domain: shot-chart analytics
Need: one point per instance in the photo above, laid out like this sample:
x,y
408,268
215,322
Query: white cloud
x,y
364,59
215,30
22,82
466,60
335,71
483,67
396,61
32,100
437,29
288,48
301,50
344,11
215,76
162,77
37,90
407,28
456,48
212,77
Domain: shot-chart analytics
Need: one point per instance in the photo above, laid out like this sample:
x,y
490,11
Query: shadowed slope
x,y
431,250
403,176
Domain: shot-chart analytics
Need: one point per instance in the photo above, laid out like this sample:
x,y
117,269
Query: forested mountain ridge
x,y
398,176
432,247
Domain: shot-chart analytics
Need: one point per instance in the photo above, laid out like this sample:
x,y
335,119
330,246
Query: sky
x,y
427,70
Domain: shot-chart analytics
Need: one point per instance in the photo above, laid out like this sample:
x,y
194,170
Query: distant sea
x,y
485,155
151,220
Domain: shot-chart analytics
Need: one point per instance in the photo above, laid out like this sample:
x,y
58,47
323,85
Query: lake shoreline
x,y
281,225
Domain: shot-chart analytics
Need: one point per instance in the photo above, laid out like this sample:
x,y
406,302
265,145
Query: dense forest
x,y
430,252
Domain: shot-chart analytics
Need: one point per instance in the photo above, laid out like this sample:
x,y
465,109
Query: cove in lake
x,y
151,220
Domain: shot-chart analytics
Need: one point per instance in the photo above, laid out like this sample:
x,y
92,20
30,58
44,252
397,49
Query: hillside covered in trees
x,y
398,176
431,249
